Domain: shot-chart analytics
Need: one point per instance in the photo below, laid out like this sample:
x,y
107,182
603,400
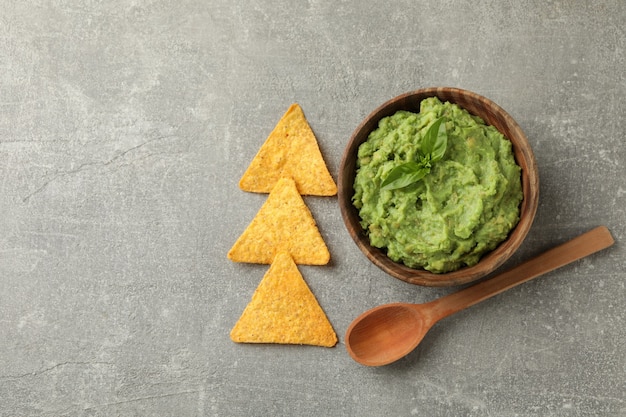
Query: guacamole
x,y
464,207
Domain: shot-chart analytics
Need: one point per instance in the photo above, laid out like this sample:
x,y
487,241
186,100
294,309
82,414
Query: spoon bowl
x,y
399,327
389,332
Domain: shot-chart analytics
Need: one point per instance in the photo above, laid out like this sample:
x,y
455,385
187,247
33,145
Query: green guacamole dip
x,y
465,206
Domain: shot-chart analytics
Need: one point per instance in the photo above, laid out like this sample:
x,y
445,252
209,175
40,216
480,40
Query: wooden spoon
x,y
389,332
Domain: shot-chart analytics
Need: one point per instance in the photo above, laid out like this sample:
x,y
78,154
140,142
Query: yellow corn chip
x,y
291,150
283,224
284,310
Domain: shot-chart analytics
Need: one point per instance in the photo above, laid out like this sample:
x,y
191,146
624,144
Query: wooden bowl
x,y
493,115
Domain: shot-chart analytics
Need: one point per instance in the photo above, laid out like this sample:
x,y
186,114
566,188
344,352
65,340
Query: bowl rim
x,y
523,155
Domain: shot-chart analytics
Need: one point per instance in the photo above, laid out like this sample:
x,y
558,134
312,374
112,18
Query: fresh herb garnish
x,y
433,148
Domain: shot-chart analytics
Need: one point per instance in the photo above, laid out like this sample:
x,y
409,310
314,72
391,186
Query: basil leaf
x,y
404,175
440,145
433,148
435,140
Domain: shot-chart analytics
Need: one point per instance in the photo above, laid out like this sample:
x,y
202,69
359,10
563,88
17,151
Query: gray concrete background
x,y
124,129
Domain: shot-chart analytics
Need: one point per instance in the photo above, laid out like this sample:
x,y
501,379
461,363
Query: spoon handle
x,y
577,248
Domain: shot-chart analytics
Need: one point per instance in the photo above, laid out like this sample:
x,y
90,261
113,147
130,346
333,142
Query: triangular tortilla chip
x,y
283,224
291,150
284,310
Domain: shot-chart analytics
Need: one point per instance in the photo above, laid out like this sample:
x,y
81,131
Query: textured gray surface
x,y
125,126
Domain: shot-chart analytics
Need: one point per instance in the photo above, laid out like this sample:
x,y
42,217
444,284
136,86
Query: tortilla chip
x,y
291,150
283,224
284,310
